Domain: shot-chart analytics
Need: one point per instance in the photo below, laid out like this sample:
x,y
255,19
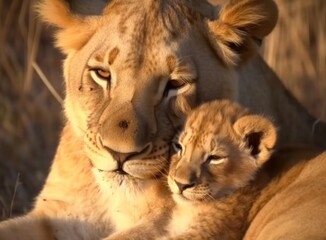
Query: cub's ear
x,y
240,25
259,135
76,20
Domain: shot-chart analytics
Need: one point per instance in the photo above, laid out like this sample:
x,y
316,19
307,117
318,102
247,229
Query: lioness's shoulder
x,y
291,159
292,205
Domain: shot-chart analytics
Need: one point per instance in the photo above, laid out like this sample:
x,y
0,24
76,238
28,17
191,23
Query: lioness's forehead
x,y
152,16
143,33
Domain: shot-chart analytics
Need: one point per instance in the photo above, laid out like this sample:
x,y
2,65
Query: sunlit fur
x,y
292,206
210,131
220,191
220,185
143,45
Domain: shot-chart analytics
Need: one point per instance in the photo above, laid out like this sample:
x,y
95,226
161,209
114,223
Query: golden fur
x,y
292,206
218,153
132,74
220,150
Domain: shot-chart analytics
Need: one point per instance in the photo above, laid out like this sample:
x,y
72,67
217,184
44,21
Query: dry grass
x,y
30,114
296,50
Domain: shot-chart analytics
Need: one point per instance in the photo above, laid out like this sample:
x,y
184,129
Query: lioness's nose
x,y
121,157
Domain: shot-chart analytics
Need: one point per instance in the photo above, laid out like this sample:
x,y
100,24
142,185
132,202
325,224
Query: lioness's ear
x,y
259,135
240,25
76,20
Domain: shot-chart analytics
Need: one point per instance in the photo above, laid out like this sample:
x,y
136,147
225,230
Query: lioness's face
x,y
130,86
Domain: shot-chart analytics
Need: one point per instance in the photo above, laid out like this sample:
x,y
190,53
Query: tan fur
x,y
114,148
215,165
75,30
292,206
75,206
216,202
239,24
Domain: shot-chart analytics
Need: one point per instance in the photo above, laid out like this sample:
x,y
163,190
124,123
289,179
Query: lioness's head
x,y
134,68
219,150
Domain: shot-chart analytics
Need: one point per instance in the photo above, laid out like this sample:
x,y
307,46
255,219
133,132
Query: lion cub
x,y
218,154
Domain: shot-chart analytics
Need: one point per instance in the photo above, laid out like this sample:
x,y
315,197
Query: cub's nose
x,y
183,186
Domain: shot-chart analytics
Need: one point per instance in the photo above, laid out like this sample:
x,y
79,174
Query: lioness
x,y
134,68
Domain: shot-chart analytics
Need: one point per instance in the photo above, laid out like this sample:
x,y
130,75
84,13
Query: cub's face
x,y
219,151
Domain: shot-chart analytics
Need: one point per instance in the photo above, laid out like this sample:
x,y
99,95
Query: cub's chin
x,y
182,199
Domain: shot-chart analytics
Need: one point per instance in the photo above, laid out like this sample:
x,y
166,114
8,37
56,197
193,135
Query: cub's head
x,y
135,68
219,150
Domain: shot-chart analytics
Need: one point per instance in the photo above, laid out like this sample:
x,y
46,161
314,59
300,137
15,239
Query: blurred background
x,y
31,87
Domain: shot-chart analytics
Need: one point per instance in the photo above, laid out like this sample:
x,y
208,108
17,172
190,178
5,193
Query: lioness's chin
x,y
111,182
137,168
140,169
145,168
116,178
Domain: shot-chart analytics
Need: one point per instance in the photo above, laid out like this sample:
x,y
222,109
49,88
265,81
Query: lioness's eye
x,y
103,74
215,160
101,77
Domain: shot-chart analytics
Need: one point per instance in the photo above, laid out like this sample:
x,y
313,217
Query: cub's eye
x,y
177,146
101,76
215,160
173,85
